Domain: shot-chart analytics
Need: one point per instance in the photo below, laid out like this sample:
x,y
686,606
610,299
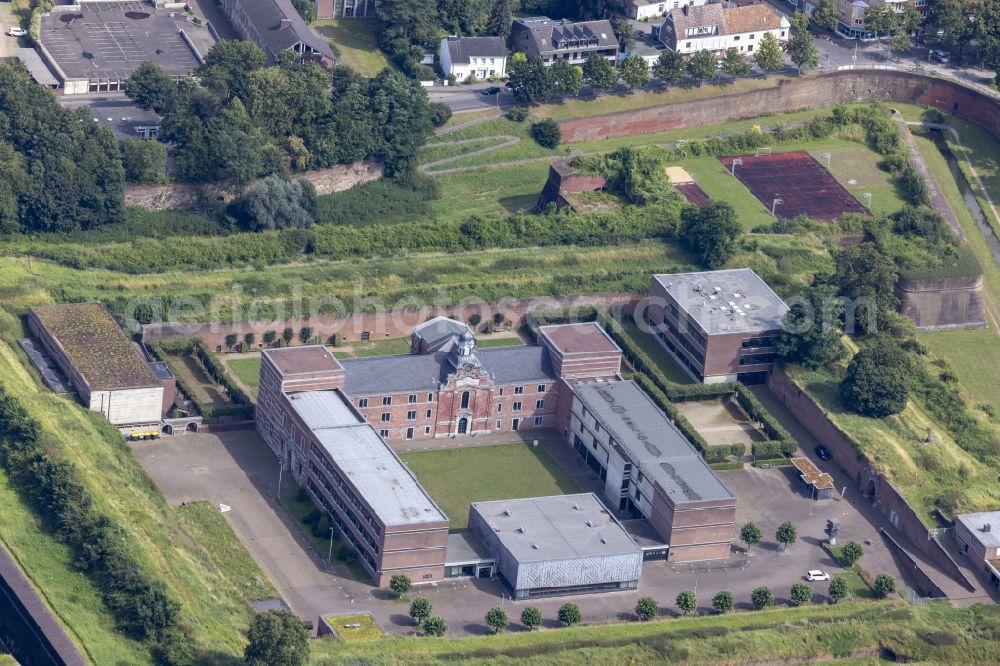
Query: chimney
x,y
685,10
987,527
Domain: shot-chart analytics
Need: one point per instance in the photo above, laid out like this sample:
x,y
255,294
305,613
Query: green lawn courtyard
x,y
357,43
457,477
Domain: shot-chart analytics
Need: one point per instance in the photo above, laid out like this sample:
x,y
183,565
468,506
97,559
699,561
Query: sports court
x,y
684,183
109,40
800,183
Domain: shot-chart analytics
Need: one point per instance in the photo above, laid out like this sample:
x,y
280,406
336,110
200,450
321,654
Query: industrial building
x,y
651,470
720,326
100,364
566,544
978,537
94,47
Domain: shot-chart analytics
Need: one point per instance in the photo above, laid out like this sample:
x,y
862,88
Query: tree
x,y
420,610
501,18
825,14
305,333
277,202
528,79
406,28
547,133
305,9
269,338
227,68
723,601
250,338
952,21
711,232
838,589
761,598
810,330
440,113
881,18
565,79
801,45
901,41
878,379
635,71
400,584
276,638
435,626
231,340
735,63
496,619
402,116
867,277
144,161
702,65
769,56
625,32
751,535
670,67
646,608
287,334
885,585
150,87
569,614
687,601
785,534
801,593
599,73
531,617
851,553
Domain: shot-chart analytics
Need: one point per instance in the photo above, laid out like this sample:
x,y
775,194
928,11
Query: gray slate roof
x,y
280,27
439,331
546,34
425,372
463,48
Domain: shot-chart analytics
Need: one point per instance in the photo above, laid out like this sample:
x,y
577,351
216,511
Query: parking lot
x,y
237,469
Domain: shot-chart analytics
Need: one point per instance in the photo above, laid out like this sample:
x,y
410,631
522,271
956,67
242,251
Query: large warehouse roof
x,y
652,442
556,528
378,475
96,346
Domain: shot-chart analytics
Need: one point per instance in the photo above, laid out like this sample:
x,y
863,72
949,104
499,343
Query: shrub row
x,y
138,601
242,408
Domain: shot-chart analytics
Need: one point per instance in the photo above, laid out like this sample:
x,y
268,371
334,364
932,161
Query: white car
x,y
817,575
17,32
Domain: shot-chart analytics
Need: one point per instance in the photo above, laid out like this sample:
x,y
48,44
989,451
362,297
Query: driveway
x,y
9,19
237,469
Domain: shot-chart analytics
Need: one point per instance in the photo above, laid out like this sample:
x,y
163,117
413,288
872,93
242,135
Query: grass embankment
x,y
357,41
461,117
504,471
895,445
191,549
931,633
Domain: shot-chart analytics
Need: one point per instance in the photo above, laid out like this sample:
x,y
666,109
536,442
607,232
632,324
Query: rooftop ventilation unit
x,y
520,530
536,546
506,512
590,523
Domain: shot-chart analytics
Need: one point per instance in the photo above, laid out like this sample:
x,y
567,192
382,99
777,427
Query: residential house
x,y
851,15
642,10
481,57
276,27
715,28
978,541
541,37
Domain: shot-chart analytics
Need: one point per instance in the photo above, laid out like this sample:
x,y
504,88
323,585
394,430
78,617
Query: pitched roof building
x,y
275,26
482,57
716,27
541,37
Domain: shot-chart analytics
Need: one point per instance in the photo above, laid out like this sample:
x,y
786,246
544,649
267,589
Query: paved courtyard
x,y
237,469
719,421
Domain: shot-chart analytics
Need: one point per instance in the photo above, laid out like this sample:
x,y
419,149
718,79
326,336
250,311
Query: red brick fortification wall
x,y
390,324
791,95
868,481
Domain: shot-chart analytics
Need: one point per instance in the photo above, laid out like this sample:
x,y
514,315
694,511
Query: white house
x,y
716,28
481,57
648,9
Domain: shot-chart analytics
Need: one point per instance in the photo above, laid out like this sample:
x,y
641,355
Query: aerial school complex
x,y
328,421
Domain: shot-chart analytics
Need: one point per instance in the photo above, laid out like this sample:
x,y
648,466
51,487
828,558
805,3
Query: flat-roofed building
x,y
101,364
719,325
565,544
651,470
375,502
978,537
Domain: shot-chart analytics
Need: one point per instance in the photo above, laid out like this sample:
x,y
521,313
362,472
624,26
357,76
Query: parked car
x,y
823,452
817,576
17,32
492,90
942,57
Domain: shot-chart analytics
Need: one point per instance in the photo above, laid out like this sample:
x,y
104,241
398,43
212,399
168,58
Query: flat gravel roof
x,y
728,301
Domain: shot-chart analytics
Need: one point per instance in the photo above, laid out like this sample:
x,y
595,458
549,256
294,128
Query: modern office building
x,y
651,470
720,326
566,544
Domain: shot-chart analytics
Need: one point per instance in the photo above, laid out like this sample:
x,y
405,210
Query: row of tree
x,y
244,120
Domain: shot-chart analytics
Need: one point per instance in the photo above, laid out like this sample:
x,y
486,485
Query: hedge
x,y
243,406
136,599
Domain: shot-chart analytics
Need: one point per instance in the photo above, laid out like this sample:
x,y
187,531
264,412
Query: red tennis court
x,y
693,193
803,185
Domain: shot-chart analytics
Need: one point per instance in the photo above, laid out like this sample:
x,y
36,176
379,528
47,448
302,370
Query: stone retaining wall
x,y
944,304
791,95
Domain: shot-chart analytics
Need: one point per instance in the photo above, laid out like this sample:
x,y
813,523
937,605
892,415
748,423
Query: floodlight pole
x,y
329,554
732,167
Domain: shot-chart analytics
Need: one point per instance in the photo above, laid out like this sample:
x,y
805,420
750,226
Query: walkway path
x,y
938,202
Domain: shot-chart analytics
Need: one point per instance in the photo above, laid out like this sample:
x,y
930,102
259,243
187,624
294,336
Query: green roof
x,y
96,346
